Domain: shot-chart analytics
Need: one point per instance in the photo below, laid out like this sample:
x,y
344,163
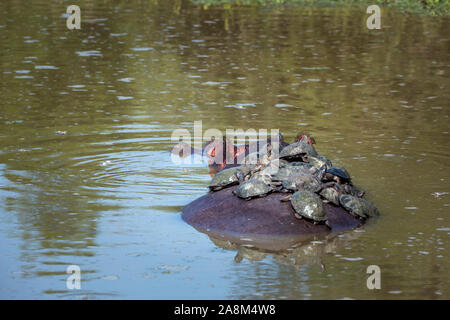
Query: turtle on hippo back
x,y
330,194
308,205
341,176
358,207
290,169
298,151
228,177
298,169
319,162
253,189
307,180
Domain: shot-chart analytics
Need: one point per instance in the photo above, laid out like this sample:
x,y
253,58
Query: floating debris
x,y
437,195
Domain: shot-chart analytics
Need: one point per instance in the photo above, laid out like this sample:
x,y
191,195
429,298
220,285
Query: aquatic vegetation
x,y
426,7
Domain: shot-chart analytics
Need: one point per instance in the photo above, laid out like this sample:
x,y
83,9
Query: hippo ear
x,y
240,151
304,139
213,147
230,150
212,152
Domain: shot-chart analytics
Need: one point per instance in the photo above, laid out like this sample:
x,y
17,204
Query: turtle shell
x,y
301,164
358,207
352,190
285,172
252,188
302,181
261,176
251,159
340,172
331,194
307,204
327,161
319,162
228,177
296,150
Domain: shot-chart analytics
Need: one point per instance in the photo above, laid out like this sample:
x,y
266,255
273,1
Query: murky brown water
x,y
86,118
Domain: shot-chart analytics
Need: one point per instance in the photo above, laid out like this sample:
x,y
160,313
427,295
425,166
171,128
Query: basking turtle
x,y
262,176
280,163
349,188
298,151
358,207
342,177
308,205
307,181
228,177
318,162
252,189
251,159
285,172
327,161
338,174
306,165
330,194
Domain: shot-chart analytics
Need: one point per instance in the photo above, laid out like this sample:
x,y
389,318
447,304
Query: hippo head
x,y
218,151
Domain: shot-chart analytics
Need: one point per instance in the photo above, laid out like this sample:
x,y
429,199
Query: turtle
x,y
228,177
318,162
285,172
349,188
308,205
252,189
330,194
327,161
301,164
280,163
298,151
251,159
338,174
358,207
261,176
342,177
307,181
256,161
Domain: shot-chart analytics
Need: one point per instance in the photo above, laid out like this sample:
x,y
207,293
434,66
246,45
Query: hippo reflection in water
x,y
266,220
301,254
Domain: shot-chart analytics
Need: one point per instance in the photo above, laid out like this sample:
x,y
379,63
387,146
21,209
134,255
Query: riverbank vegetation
x,y
425,7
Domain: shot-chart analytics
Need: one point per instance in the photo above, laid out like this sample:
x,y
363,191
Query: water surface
x,y
86,118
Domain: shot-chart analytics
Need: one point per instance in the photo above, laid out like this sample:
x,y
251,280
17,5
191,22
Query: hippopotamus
x,y
267,221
